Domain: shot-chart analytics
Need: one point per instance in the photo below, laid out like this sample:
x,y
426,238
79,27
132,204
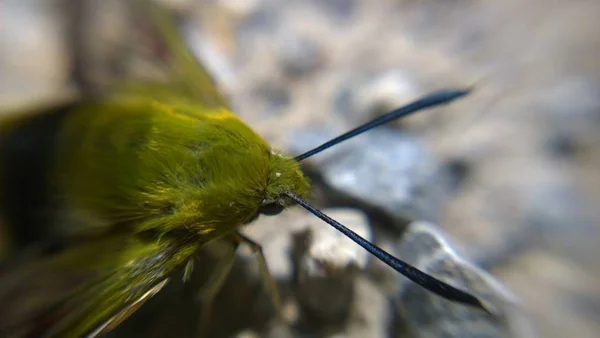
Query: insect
x,y
109,195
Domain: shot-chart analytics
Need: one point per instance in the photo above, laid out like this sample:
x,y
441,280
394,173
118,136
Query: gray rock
x,y
380,93
429,315
298,55
327,263
558,293
382,168
321,267
31,29
330,249
338,9
370,315
334,297
272,99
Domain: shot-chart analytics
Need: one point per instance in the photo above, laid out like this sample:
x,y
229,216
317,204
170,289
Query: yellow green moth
x,y
105,197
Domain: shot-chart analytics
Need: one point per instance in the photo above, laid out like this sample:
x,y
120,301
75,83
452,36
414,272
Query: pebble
x,y
370,316
382,92
426,247
27,29
382,169
298,55
326,264
338,9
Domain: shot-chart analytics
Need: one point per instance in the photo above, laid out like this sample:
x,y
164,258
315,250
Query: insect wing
x,y
87,289
191,75
118,318
190,81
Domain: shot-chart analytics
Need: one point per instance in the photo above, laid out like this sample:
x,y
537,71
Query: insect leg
x,y
268,280
214,284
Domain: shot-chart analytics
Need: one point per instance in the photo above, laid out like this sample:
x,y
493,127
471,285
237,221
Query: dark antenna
x,y
428,282
431,100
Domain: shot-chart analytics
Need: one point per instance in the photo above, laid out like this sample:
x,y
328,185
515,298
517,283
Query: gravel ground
x,y
497,192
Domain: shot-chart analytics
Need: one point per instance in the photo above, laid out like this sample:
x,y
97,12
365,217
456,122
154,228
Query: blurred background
x,y
497,192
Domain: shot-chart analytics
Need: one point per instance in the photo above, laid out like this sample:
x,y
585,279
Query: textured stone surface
x,y
516,163
319,264
383,169
327,263
29,29
425,246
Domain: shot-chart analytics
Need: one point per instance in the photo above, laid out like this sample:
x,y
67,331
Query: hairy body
x,y
123,191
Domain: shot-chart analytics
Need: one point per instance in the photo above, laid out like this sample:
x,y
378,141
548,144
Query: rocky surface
x,y
426,246
385,169
509,173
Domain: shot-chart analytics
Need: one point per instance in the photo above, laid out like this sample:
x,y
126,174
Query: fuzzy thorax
x,y
285,176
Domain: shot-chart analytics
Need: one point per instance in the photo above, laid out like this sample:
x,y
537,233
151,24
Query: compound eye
x,y
271,208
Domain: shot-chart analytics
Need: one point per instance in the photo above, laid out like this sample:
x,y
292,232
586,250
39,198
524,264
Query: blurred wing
x,y
187,67
87,289
127,311
190,83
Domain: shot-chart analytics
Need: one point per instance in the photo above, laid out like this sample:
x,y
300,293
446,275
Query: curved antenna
x,y
426,281
431,100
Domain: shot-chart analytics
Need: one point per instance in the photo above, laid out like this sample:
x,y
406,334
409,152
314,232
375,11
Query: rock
x,y
379,94
428,315
457,171
571,106
242,8
549,207
321,266
326,265
382,169
386,91
298,55
329,250
275,235
33,58
370,315
562,297
338,9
